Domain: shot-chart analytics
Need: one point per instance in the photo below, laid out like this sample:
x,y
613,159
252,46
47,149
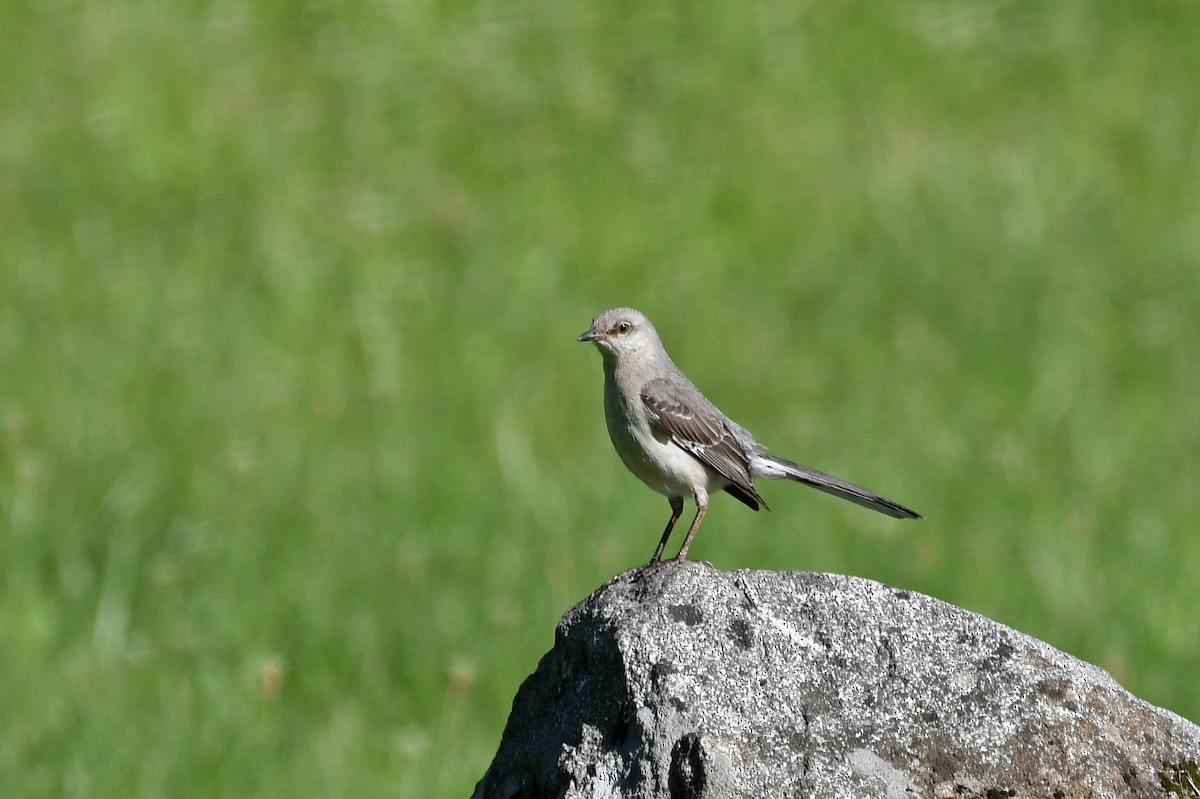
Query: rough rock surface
x,y
685,681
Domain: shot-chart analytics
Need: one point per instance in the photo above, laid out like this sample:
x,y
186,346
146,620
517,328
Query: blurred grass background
x,y
300,462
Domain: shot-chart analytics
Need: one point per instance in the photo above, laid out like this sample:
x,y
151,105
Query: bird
x,y
677,442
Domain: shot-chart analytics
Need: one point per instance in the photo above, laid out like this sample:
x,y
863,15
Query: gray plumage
x,y
678,443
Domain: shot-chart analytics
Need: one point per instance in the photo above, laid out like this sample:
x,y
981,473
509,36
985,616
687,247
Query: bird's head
x,y
622,333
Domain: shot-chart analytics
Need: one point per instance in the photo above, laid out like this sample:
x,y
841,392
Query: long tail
x,y
764,465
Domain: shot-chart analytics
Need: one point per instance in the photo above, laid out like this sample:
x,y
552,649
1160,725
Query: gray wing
x,y
678,410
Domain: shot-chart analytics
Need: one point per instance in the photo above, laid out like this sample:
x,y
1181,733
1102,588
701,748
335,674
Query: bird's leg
x,y
676,510
701,507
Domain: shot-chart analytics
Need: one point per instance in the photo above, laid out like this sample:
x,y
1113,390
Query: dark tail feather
x,y
840,488
750,498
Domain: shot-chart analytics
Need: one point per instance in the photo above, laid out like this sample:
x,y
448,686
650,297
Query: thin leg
x,y
676,510
701,507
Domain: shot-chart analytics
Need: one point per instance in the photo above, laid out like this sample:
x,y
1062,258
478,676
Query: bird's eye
x,y
623,328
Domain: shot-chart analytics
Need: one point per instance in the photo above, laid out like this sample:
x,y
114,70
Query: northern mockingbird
x,y
677,442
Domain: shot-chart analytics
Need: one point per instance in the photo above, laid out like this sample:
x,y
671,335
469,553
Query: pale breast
x,y
657,462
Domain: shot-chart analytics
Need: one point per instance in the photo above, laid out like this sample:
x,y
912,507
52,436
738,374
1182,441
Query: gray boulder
x,y
685,681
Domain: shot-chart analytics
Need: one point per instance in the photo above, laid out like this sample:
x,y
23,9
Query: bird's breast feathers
x,y
652,456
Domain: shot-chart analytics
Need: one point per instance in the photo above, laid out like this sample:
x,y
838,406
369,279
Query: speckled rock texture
x,y
684,681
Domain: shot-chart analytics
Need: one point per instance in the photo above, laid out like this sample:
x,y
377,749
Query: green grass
x,y
300,462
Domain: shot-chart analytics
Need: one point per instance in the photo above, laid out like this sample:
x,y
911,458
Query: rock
x,y
684,681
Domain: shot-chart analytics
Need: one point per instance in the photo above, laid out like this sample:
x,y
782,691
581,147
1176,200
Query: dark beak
x,y
591,335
